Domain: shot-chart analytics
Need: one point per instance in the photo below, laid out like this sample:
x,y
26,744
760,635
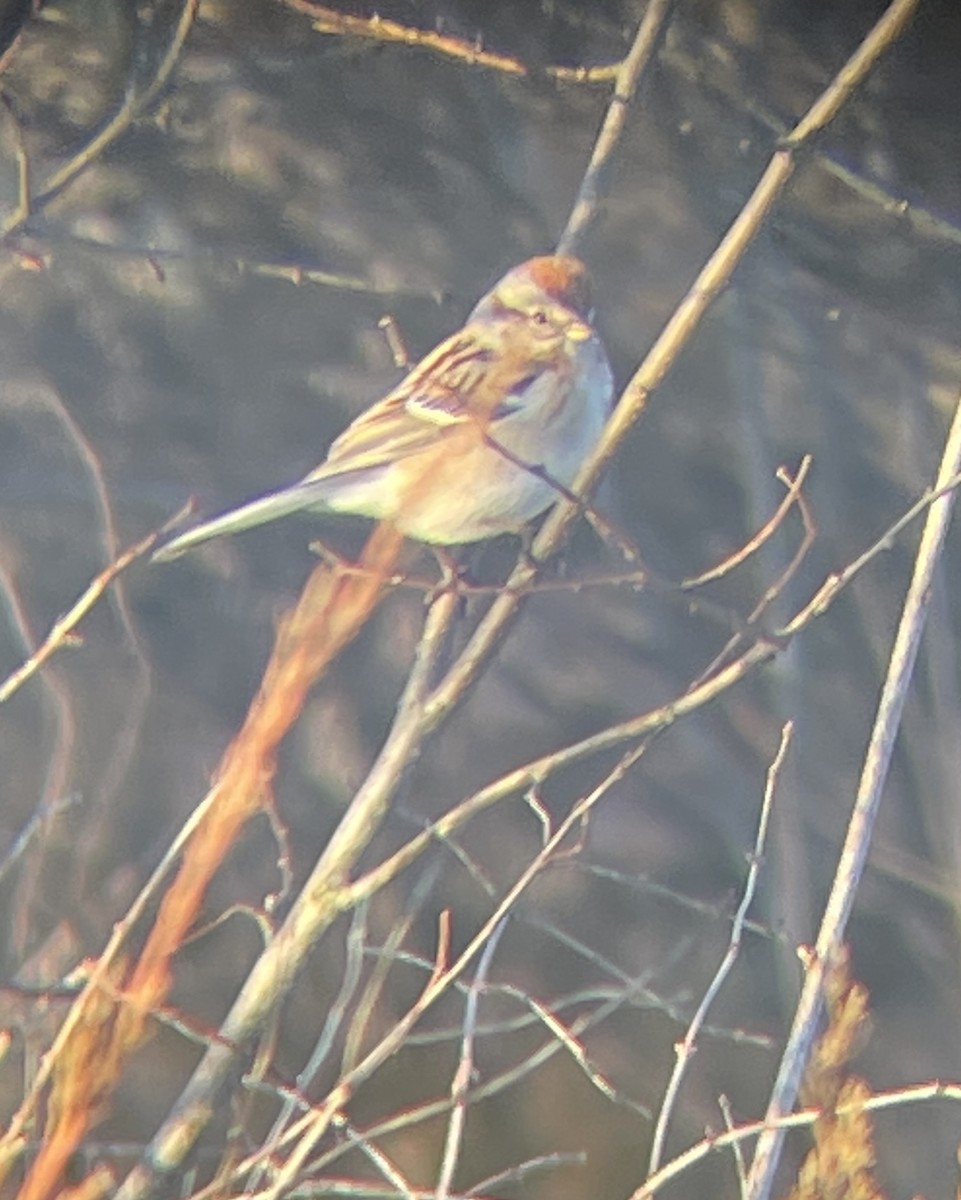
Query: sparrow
x,y
481,436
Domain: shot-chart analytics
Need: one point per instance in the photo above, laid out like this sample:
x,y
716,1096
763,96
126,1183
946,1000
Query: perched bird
x,y
474,440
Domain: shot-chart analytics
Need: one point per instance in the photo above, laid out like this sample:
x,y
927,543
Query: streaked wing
x,y
442,388
438,396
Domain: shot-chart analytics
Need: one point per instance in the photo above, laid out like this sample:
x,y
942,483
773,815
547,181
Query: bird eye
x,y
539,317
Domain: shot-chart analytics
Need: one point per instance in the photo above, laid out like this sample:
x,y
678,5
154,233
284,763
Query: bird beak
x,y
579,331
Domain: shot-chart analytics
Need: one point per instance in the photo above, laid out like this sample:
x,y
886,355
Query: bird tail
x,y
257,512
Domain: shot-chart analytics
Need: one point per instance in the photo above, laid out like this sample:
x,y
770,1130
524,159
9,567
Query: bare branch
x,y
863,815
650,31
330,20
684,1050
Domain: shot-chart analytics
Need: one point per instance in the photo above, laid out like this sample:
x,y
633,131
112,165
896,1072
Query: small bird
x,y
475,440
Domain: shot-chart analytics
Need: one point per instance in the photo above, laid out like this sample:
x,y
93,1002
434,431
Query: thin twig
x,y
737,1150
684,1049
336,1017
793,485
297,274
387,1167
23,159
879,1102
331,21
387,956
43,814
835,583
603,526
494,1184
649,34
751,628
316,1123
460,1085
62,631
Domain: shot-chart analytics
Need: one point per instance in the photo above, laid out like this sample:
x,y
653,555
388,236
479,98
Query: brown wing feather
x,y
444,392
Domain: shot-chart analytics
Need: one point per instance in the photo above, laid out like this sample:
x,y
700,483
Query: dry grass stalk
x,y
840,1165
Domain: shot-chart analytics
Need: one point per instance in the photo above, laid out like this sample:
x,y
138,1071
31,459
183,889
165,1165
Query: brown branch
x,y
296,274
792,496
752,626
328,20
650,31
62,633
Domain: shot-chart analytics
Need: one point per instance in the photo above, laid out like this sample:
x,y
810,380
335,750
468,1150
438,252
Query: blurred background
x,y
162,336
